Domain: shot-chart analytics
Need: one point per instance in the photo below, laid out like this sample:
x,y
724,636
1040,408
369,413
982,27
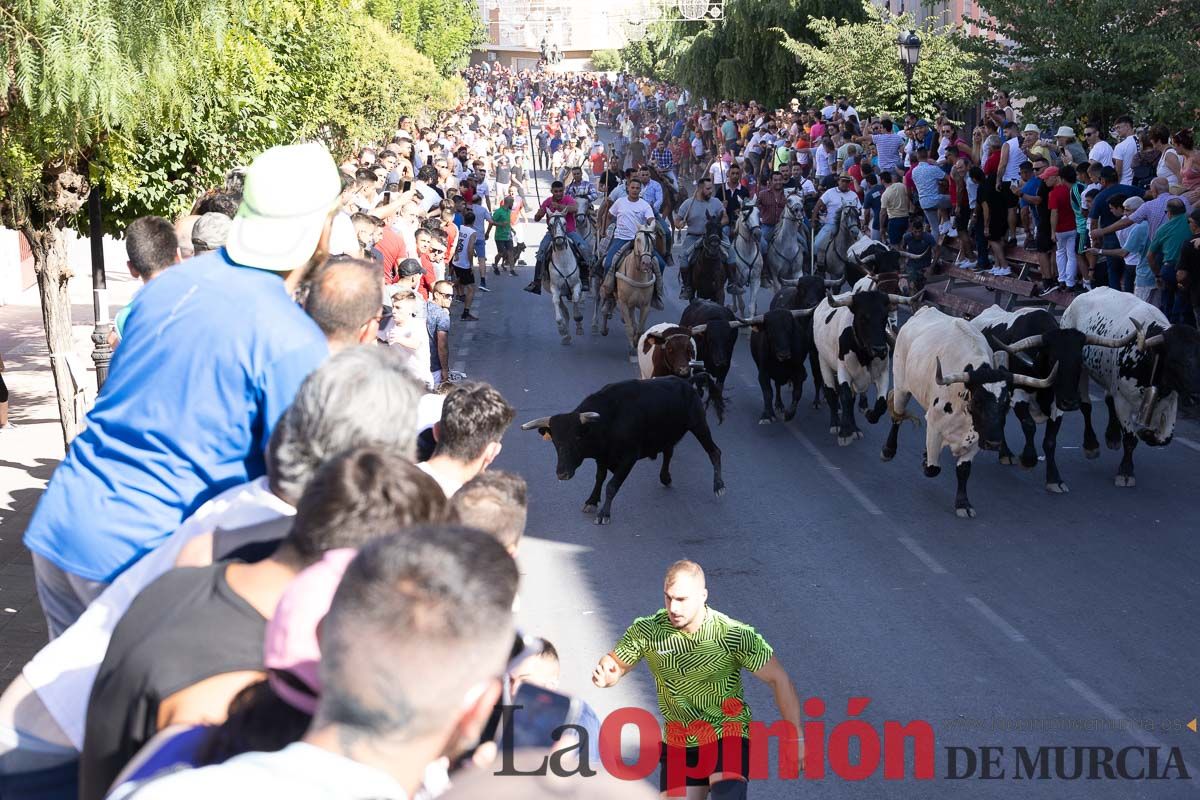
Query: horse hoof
x,y
932,471
765,420
964,512
1112,444
590,508
886,454
1027,463
1125,481
1008,460
603,519
1057,488
844,441
834,429
595,329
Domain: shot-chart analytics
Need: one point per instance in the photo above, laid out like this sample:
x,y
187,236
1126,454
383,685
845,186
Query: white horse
x,y
566,286
787,252
747,261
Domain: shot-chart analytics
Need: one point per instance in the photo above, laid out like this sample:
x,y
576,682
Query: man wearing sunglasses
x,y
437,321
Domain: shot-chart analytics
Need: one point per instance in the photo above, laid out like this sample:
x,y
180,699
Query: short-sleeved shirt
x,y
436,319
1060,201
921,246
695,673
123,488
926,177
696,212
630,215
502,219
895,201
568,205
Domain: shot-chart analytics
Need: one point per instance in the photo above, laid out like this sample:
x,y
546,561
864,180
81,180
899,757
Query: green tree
x,y
72,76
741,56
1097,59
860,60
606,60
445,30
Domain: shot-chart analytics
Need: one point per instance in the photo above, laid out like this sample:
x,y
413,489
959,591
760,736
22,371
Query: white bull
x,y
947,365
1143,382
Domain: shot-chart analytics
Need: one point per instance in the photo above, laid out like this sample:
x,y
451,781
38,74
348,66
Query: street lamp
x,y
908,45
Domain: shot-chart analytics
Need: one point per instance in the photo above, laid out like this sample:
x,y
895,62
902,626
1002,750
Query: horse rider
x,y
732,194
664,159
630,211
558,201
579,187
771,203
651,192
830,203
693,214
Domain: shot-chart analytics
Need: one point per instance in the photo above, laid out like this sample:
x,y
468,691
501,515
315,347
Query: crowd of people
x,y
279,561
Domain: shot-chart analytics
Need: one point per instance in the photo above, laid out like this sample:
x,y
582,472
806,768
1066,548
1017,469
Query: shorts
x,y
504,247
480,248
1148,294
1007,195
693,758
1043,243
997,227
464,277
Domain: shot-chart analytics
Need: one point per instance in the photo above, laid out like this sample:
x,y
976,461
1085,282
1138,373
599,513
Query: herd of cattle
x,y
966,375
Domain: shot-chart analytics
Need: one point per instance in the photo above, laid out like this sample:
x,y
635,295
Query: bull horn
x,y
868,259
699,328
741,323
955,377
1036,383
901,300
804,312
1144,343
753,320
832,283
840,300
891,336
1028,343
588,416
1108,341
533,424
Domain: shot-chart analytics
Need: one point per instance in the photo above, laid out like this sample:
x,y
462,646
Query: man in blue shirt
x,y
1101,216
214,350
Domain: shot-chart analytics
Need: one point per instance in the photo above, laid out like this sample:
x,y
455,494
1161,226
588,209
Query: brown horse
x,y
635,285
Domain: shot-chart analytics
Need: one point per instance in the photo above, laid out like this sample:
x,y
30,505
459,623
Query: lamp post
x,y
101,352
908,46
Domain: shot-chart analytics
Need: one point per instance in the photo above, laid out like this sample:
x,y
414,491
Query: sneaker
x,y
11,426
534,287
1078,288
1001,272
1087,286
495,270
483,288
467,316
951,233
455,376
1051,289
966,265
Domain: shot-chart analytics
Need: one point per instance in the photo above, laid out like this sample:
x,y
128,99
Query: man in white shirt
x,y
830,203
1123,154
399,690
630,212
1101,150
830,108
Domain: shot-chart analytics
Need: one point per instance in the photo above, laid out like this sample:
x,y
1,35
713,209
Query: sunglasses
x,y
444,294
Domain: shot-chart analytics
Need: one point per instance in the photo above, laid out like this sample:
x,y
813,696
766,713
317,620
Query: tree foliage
x,y
1097,59
444,30
739,57
606,60
860,60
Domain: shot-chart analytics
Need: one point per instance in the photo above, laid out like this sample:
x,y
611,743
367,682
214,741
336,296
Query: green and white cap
x,y
288,194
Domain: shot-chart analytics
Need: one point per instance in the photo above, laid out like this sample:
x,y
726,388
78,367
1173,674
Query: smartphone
x,y
387,198
536,715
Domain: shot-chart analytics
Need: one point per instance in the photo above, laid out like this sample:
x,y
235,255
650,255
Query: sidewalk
x,y
29,454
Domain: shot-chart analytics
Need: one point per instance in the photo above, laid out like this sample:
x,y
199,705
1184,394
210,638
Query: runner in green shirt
x,y
696,655
502,223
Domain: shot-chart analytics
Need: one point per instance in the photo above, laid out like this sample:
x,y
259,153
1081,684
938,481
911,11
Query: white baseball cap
x,y
289,192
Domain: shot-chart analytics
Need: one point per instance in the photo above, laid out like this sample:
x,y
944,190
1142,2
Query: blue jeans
x,y
572,235
896,229
764,235
827,230
616,244
1172,303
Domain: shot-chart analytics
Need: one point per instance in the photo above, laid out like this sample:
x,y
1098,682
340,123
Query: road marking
x,y
1112,712
922,555
1188,443
1012,633
838,474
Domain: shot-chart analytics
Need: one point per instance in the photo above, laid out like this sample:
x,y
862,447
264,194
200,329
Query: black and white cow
x,y
851,334
1037,346
780,343
623,423
948,366
869,257
1143,382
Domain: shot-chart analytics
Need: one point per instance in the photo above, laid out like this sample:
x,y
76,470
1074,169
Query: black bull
x,y
623,423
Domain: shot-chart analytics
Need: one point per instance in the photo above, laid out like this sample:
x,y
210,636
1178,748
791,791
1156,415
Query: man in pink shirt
x,y
558,200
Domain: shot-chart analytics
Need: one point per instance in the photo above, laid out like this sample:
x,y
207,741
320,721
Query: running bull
x,y
1036,346
623,423
1143,382
949,367
851,332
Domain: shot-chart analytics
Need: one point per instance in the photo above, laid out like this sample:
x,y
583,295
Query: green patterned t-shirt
x,y
696,673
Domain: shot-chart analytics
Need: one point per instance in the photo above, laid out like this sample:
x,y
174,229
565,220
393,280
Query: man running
x,y
696,655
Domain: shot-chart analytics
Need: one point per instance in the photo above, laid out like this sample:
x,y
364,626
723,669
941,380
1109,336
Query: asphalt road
x,y
1046,621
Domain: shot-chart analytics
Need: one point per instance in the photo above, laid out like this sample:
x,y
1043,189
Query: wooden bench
x,y
954,303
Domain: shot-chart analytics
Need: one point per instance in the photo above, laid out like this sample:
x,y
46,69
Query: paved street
x,y
1077,607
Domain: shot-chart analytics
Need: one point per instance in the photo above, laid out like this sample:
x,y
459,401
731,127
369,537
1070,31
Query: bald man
x,y
696,655
343,299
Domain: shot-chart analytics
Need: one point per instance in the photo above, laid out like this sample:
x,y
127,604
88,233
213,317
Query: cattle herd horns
x,y
1144,343
1018,379
544,422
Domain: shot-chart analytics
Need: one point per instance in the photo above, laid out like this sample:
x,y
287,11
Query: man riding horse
x,y
834,199
557,202
694,215
631,211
